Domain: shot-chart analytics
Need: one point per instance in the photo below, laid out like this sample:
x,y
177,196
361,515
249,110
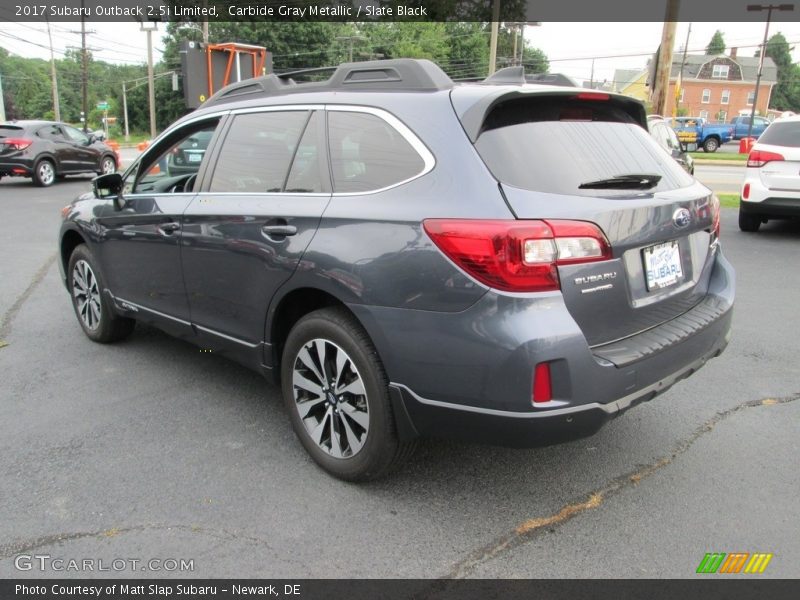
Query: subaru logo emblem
x,y
681,218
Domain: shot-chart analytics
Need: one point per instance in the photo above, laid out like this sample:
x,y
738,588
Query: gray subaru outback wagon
x,y
499,262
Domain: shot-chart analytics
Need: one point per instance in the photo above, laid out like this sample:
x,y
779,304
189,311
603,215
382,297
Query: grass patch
x,y
719,156
729,200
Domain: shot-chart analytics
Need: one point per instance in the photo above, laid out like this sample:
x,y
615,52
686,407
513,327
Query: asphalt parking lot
x,y
150,449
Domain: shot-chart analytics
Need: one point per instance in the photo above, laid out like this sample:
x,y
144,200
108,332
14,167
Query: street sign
x,y
102,106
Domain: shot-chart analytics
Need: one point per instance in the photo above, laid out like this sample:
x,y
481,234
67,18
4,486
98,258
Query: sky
x,y
569,46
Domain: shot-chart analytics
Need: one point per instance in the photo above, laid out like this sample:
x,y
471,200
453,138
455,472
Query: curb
x,y
724,163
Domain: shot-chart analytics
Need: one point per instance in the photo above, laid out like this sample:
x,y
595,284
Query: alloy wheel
x,y
330,398
46,172
86,294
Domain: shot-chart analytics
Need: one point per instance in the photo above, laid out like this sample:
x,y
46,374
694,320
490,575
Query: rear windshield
x,y
782,134
9,130
555,144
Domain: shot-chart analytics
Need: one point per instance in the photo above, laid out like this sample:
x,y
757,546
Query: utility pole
x,y
350,39
125,112
56,105
205,23
493,40
85,72
2,102
665,57
150,27
758,8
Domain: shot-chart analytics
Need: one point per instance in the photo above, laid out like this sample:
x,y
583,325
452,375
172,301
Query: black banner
x,y
705,587
386,10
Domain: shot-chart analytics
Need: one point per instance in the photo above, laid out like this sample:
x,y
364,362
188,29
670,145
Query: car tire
x,y
107,165
336,393
44,173
710,145
92,307
749,222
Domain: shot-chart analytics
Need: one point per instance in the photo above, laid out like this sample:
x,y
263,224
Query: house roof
x,y
749,65
625,77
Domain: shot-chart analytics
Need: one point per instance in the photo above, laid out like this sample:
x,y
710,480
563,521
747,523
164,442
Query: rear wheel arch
x,y
289,310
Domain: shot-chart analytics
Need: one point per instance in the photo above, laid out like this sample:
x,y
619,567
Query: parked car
x,y
498,262
46,150
771,187
741,125
696,130
668,139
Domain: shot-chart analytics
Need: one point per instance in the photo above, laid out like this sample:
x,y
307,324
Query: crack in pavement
x,y
16,548
5,324
529,529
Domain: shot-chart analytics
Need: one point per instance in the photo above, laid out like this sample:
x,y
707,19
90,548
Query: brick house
x,y
721,87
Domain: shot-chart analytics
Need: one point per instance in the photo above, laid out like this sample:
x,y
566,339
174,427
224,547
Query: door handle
x,y
169,228
279,230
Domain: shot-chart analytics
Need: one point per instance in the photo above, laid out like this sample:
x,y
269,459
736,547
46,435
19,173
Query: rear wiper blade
x,y
631,181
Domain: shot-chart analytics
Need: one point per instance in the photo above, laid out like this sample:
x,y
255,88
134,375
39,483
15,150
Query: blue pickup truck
x,y
696,130
740,125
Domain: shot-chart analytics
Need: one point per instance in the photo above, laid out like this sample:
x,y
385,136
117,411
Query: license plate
x,y
195,157
662,265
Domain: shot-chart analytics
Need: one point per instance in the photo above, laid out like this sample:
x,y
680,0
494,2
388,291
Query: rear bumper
x,y
772,207
471,378
13,167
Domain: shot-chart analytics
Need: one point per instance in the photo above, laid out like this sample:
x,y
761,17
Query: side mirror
x,y
108,186
90,139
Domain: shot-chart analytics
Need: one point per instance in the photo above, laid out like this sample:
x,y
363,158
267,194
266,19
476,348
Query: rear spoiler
x,y
472,112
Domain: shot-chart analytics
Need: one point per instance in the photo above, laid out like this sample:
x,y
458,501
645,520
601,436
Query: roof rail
x,y
400,74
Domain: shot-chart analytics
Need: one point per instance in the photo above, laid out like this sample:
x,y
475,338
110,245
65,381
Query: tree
x,y
717,43
786,94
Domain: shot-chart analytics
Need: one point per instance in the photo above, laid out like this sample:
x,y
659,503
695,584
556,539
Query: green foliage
x,y
460,48
786,94
717,43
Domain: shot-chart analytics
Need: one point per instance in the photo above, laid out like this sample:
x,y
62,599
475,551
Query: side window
x,y
306,175
76,136
368,154
171,165
51,132
257,151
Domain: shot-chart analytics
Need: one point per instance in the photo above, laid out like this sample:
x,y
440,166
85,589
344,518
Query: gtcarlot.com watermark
x,y
48,563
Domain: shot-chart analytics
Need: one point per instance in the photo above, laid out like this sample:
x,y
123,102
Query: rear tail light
x,y
542,388
17,143
518,256
758,158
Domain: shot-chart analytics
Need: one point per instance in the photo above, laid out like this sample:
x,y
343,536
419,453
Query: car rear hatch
x,y
9,134
777,157
586,156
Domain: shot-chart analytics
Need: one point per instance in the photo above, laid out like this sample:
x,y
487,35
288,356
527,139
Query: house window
x,y
683,91
751,97
706,96
722,116
704,114
726,97
720,72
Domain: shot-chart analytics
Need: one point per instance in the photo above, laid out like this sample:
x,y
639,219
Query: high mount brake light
x,y
758,158
592,96
518,256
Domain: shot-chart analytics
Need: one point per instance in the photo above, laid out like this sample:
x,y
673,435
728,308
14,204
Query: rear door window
x,y
257,152
782,134
556,144
368,154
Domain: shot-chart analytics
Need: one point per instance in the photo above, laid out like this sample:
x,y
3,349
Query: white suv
x,y
771,188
